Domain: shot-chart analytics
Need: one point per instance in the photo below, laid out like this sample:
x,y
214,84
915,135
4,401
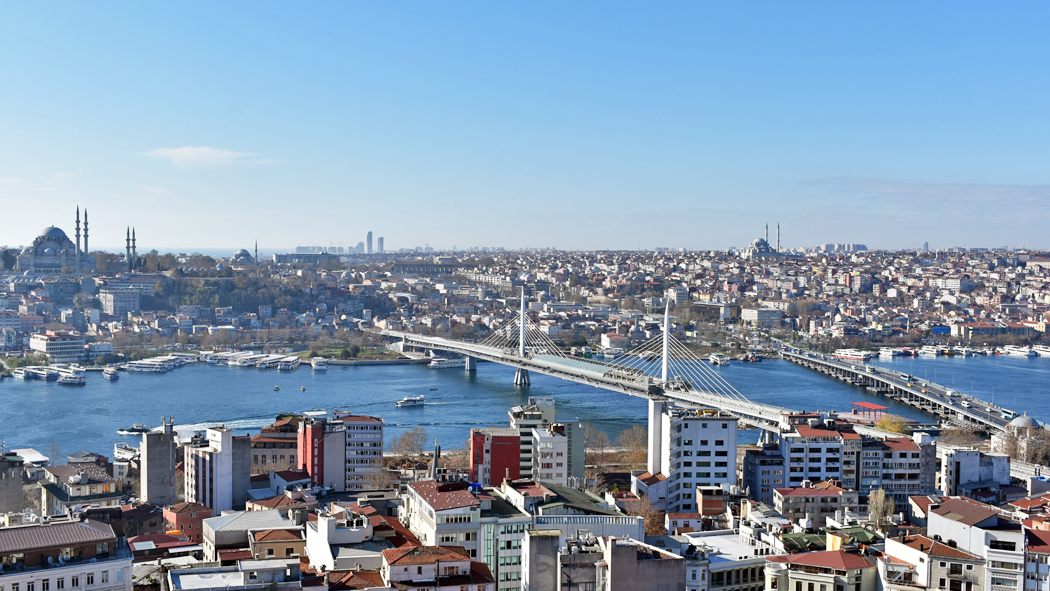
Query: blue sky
x,y
574,125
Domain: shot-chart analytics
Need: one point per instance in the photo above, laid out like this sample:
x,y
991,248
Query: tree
x,y
880,507
893,424
411,442
597,441
378,477
635,442
654,517
54,451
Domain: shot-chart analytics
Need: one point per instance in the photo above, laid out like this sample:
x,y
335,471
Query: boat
x,y
72,380
319,364
930,350
110,373
289,363
134,429
751,357
49,374
410,401
442,363
890,352
302,388
123,451
854,354
432,389
1015,351
276,388
718,359
20,373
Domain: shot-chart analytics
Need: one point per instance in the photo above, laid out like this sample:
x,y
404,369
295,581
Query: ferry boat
x,y
410,401
135,429
890,352
442,363
854,354
612,353
72,377
289,363
123,451
20,373
930,350
49,374
1043,350
110,373
319,364
1015,351
718,359
751,357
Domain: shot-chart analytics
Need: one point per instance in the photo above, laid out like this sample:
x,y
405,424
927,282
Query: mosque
x,y
53,253
760,248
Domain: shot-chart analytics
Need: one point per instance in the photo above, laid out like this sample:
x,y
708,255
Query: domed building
x,y
53,253
760,248
243,257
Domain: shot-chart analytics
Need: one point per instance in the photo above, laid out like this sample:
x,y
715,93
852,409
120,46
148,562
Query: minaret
x,y
778,237
85,232
78,241
256,252
767,232
127,248
134,251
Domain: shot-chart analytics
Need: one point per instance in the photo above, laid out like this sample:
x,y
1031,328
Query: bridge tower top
x,y
521,332
667,333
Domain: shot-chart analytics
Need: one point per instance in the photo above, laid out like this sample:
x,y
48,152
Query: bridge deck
x,y
922,393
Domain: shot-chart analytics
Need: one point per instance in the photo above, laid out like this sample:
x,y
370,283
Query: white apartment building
x,y
698,449
118,302
537,413
980,529
481,521
551,452
218,471
364,447
59,346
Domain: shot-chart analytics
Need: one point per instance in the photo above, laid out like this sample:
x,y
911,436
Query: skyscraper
x,y
380,245
369,242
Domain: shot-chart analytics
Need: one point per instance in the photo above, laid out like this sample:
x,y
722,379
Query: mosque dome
x,y
49,250
243,253
1024,422
54,234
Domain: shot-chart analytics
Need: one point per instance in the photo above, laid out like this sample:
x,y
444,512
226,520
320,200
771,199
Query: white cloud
x,y
189,156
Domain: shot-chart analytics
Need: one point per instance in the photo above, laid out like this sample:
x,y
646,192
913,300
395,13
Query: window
x,y
90,579
73,582
45,585
61,583
105,576
720,442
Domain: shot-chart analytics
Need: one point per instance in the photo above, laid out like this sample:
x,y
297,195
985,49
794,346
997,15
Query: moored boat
x,y
441,363
319,364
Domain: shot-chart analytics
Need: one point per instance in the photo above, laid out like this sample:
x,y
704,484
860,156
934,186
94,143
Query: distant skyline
x,y
584,126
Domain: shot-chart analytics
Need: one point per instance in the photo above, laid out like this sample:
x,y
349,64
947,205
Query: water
x,y
35,413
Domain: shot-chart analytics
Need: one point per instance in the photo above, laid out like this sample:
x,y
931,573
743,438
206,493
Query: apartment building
x,y
483,522
698,449
118,302
218,470
495,455
536,414
763,472
64,487
830,570
815,502
982,530
364,448
551,449
919,562
900,466
66,553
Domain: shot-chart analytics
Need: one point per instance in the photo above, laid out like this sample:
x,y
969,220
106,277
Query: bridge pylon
x,y
521,377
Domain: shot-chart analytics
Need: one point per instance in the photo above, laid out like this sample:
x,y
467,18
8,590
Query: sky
x,y
583,125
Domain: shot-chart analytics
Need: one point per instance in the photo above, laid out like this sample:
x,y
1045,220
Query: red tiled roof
x,y
799,491
189,508
838,560
650,479
424,554
277,535
443,500
352,580
935,548
1038,541
359,419
292,475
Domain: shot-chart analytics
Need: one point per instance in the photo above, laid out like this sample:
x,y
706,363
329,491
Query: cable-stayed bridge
x,y
661,369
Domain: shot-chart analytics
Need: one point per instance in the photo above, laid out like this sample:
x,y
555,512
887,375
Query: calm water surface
x,y
35,413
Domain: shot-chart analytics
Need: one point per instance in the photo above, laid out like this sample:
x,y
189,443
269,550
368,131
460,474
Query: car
x,y
924,390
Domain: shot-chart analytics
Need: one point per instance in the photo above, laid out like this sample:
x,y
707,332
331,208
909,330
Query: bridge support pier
x,y
521,377
470,364
657,408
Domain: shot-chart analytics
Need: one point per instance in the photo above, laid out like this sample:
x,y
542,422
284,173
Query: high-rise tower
x,y
368,243
380,245
778,236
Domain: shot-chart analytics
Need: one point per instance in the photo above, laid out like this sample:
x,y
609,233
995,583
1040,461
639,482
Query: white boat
x,y
319,364
110,373
854,354
1015,351
289,363
890,352
20,373
134,429
441,363
123,451
718,359
410,401
72,380
930,350
613,352
1043,350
